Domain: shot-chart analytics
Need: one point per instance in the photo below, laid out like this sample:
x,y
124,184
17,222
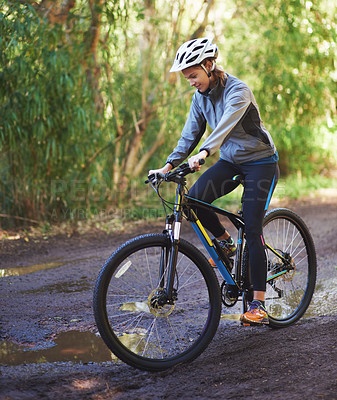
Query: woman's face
x,y
197,78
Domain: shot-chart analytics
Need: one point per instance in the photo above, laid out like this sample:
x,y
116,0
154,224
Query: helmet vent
x,y
191,60
191,42
198,48
182,57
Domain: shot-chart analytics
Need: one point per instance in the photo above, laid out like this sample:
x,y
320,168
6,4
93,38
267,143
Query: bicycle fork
x,y
166,293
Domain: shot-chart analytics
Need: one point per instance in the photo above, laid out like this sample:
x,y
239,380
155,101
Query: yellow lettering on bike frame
x,y
178,203
204,233
202,229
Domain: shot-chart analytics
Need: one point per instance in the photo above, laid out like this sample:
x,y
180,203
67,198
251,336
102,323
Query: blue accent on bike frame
x,y
276,276
270,193
211,251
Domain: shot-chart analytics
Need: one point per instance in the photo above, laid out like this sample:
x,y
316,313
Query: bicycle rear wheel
x,y
146,336
290,284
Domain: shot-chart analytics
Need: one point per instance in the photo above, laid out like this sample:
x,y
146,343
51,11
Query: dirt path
x,y
49,350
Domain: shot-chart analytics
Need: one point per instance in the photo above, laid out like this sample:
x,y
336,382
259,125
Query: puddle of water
x,y
74,346
135,306
133,341
231,317
29,269
81,285
324,300
18,271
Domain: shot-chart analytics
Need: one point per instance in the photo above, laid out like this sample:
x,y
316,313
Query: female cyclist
x,y
246,147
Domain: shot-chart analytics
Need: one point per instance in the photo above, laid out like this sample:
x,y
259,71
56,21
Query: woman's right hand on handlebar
x,y
163,170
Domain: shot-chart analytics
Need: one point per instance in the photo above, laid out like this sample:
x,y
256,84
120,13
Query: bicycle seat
x,y
239,178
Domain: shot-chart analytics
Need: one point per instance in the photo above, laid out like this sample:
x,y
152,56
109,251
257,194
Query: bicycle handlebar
x,y
181,171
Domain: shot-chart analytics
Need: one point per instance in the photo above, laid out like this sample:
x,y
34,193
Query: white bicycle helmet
x,y
194,52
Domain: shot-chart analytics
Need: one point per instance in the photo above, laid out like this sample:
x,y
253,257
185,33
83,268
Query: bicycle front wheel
x,y
134,328
292,267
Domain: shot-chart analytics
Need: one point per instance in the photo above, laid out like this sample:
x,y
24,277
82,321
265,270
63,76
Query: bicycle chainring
x,y
229,295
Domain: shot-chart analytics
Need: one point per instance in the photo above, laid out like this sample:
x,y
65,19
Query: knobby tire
x,y
149,338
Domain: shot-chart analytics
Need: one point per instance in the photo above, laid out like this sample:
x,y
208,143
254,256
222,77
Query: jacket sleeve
x,y
190,136
237,103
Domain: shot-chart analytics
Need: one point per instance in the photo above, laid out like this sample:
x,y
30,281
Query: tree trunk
x,y
147,43
92,39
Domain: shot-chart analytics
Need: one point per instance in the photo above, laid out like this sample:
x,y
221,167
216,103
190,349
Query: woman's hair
x,y
218,72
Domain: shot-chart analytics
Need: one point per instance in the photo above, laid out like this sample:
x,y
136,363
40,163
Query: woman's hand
x,y
193,161
163,170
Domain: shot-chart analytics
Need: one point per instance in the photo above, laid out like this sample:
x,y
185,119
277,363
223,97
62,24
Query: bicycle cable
x,y
166,203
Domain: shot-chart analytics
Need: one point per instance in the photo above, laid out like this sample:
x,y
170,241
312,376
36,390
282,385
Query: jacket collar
x,y
214,93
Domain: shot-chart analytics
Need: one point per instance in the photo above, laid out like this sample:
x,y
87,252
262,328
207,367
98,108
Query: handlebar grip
x,y
201,162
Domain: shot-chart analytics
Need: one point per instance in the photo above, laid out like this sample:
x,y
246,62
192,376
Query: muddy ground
x,y
49,348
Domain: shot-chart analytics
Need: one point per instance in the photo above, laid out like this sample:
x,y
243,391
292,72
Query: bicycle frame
x,y
239,223
210,247
184,205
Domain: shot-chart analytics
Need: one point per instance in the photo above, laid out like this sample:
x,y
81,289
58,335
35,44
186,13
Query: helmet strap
x,y
204,68
208,74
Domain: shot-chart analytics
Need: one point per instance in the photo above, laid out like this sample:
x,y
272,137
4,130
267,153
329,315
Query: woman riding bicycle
x,y
228,106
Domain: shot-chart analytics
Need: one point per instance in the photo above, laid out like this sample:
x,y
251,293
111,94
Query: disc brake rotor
x,y
277,266
289,276
154,304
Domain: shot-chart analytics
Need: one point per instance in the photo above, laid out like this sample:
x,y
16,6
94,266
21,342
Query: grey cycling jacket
x,y
234,117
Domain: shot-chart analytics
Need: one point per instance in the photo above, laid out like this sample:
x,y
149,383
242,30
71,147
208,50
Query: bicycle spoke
x,y
288,294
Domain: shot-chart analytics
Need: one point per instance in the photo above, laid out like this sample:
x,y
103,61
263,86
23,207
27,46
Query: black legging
x,y
260,182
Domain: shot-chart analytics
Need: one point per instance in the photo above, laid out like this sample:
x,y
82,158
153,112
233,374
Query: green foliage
x,y
300,187
83,117
47,117
287,52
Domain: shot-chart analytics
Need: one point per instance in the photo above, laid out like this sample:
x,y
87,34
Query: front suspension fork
x,y
168,260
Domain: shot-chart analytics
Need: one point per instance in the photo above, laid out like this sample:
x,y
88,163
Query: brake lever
x,y
155,178
181,171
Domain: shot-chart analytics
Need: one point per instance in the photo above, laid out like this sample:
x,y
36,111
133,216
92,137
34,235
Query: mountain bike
x,y
158,300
